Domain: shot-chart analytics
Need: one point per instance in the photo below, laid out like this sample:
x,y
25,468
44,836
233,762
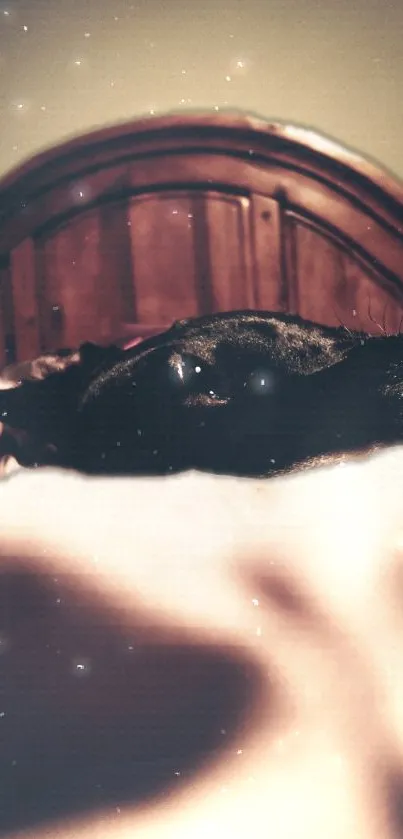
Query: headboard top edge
x,y
237,129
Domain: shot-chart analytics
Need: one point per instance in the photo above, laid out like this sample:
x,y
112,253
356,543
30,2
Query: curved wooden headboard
x,y
168,217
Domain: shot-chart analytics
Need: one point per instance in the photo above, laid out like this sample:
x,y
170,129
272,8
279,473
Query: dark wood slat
x,y
25,303
163,257
4,280
270,289
333,288
85,273
230,251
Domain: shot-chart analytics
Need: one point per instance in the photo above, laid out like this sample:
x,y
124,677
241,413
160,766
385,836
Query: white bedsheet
x,y
304,574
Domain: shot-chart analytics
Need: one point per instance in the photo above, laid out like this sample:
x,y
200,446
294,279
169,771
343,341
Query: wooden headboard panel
x,y
166,218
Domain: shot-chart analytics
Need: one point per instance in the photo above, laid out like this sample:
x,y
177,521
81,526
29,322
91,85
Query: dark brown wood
x,y
230,249
228,132
3,319
114,287
71,266
24,296
270,286
164,272
7,341
333,286
166,218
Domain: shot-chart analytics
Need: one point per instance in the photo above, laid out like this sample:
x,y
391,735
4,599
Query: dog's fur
x,y
245,393
18,443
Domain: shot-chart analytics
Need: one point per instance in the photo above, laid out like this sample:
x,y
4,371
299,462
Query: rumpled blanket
x,y
300,579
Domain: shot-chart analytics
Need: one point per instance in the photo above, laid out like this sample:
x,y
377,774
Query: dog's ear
x,y
93,356
179,324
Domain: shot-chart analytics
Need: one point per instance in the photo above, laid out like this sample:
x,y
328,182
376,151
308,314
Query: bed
x,y
177,660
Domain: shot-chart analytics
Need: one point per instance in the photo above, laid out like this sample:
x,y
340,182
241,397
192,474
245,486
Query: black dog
x,y
245,393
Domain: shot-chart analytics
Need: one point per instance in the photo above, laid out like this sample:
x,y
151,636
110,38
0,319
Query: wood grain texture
x,y
25,302
271,288
231,254
164,270
3,319
162,219
334,288
85,287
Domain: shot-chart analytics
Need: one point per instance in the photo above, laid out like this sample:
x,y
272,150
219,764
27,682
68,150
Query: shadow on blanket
x,y
201,651
98,715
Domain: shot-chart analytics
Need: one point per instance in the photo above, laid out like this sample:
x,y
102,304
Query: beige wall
x,y
336,65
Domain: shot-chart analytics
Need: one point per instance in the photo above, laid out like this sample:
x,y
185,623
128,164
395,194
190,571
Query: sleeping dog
x,y
246,393
279,621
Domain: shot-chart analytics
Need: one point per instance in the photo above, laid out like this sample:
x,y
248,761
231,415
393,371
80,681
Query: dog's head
x,y
221,392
